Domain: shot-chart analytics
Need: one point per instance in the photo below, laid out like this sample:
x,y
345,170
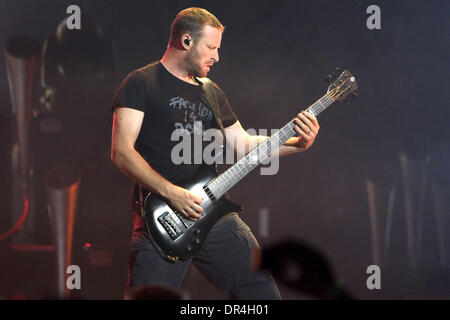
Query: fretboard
x,y
225,181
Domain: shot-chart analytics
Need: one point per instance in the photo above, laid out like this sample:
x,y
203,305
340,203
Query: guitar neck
x,y
225,181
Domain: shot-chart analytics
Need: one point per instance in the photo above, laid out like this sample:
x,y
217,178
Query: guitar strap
x,y
211,100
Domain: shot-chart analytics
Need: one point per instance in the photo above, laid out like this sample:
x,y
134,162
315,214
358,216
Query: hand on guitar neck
x,y
307,127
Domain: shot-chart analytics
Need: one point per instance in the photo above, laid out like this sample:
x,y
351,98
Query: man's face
x,y
204,52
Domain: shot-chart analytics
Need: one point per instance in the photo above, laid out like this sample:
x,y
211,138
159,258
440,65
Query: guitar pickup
x,y
172,227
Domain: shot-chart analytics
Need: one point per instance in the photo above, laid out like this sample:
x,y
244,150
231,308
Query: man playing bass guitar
x,y
150,104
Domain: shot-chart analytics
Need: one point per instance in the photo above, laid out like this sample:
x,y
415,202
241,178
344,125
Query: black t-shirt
x,y
169,103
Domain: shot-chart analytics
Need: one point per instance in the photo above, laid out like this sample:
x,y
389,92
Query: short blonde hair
x,y
191,21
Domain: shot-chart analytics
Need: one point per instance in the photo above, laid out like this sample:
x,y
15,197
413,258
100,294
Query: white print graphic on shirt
x,y
192,114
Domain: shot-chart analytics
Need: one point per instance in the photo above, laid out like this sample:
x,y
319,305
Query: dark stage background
x,y
273,59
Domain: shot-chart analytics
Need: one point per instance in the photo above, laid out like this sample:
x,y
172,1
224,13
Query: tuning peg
x,y
329,78
354,95
339,70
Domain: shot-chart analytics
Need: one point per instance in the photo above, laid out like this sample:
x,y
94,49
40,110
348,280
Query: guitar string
x,y
232,176
223,182
229,181
316,109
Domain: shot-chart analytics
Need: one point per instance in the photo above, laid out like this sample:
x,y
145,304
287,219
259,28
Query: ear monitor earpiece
x,y
187,41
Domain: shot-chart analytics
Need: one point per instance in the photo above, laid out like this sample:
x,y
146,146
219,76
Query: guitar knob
x,y
188,248
197,231
197,240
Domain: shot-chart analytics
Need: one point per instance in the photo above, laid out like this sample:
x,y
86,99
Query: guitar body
x,y
175,237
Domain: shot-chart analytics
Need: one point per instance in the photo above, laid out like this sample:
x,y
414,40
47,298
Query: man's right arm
x,y
126,126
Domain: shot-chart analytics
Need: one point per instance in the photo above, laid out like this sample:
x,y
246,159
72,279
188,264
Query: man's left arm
x,y
306,126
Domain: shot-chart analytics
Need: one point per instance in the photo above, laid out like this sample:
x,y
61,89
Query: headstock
x,y
341,87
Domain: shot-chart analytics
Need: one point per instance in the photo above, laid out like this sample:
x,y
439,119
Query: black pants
x,y
224,260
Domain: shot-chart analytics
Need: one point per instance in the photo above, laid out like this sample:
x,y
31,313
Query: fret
x,y
225,181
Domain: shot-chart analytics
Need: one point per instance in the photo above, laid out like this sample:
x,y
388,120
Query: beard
x,y
193,64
